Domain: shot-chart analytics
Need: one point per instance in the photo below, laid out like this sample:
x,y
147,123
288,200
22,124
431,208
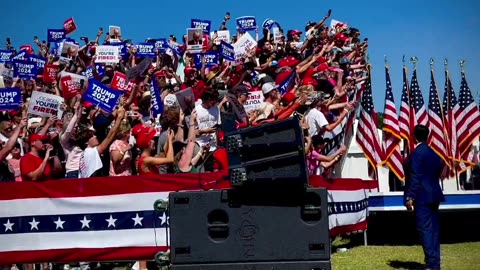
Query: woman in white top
x,y
90,162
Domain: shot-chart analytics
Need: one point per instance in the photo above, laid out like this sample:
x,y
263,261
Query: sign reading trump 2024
x,y
99,94
45,105
10,98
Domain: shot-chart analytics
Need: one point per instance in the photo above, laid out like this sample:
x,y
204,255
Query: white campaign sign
x,y
254,101
107,54
243,45
45,105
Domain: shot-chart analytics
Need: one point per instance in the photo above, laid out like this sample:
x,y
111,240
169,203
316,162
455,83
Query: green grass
x,y
465,256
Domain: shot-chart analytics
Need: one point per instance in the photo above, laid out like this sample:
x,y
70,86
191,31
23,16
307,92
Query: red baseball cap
x,y
143,139
37,137
140,128
288,98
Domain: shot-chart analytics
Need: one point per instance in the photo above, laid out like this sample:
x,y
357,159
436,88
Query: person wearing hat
x,y
271,94
6,171
148,164
34,165
311,28
316,119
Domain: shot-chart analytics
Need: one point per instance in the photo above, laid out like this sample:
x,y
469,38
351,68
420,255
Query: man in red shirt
x,y
32,166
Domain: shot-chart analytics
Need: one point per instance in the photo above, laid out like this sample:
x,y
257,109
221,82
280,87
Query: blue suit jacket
x,y
422,183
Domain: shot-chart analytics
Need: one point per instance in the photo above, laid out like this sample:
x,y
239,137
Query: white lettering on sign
x,y
5,56
227,50
154,101
209,58
102,94
7,97
56,35
145,48
40,62
245,23
159,44
24,68
201,25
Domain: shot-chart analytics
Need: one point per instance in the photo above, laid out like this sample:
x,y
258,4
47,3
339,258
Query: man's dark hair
x,y
420,132
210,94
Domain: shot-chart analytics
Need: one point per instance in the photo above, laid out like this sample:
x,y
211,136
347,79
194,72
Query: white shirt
x,y
90,162
207,118
316,120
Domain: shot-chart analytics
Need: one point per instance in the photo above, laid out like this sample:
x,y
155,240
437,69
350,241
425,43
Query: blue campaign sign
x,y
24,69
227,51
10,98
102,96
54,35
161,44
156,102
122,48
202,24
145,50
247,23
211,59
38,60
6,56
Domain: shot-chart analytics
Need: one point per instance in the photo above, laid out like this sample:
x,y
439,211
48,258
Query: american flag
x,y
367,136
468,121
391,132
113,219
405,119
451,111
416,99
437,139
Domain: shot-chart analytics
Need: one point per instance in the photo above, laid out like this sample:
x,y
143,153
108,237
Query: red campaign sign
x,y
28,48
205,44
69,26
50,73
119,82
70,87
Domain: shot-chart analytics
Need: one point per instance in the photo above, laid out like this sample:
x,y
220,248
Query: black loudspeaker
x,y
319,265
272,153
249,225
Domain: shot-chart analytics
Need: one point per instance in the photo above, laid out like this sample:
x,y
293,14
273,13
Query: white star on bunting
x,y
85,222
164,218
59,223
8,225
34,224
111,221
137,220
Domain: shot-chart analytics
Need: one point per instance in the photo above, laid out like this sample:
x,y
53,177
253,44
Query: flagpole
x,y
406,143
440,106
375,168
414,61
454,163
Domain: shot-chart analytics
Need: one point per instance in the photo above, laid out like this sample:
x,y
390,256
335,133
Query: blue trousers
x,y
428,226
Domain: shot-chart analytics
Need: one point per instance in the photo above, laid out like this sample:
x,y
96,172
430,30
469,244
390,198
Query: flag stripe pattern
x,y
437,140
367,136
391,131
405,110
468,122
416,99
113,219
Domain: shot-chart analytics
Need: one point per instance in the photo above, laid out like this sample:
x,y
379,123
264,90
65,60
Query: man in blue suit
x,y
423,195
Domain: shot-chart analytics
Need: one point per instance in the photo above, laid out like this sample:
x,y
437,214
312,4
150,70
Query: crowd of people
x,y
307,74
325,65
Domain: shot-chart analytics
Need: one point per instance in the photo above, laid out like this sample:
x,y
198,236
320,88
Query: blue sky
x,y
428,28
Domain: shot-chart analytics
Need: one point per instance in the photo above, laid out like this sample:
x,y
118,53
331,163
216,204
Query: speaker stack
x,y
269,219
